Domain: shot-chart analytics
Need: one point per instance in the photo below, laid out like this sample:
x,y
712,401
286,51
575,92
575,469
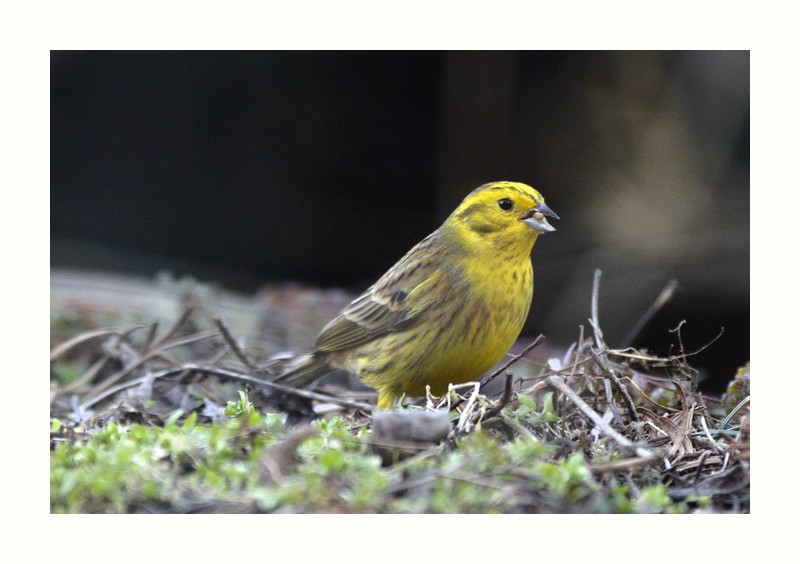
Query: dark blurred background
x,y
247,168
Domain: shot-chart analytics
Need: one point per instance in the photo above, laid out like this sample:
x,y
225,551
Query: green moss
x,y
185,466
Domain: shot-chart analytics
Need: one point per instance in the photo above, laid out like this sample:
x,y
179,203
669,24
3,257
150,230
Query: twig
x,y
558,382
533,389
504,399
153,353
677,330
232,342
189,339
88,376
576,360
725,461
79,339
121,339
463,419
289,389
611,373
234,376
670,358
700,463
174,327
598,333
120,374
521,429
621,465
612,404
733,412
151,335
665,296
600,356
85,406
536,342
486,379
687,416
648,398
217,358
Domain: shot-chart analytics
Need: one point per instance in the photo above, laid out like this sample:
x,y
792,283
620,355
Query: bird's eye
x,y
505,204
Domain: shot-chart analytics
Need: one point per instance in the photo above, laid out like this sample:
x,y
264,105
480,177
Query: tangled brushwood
x,y
597,430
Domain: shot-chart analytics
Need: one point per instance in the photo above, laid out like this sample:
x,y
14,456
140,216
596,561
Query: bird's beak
x,y
535,218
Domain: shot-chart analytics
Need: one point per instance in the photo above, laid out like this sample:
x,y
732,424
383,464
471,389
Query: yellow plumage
x,y
449,309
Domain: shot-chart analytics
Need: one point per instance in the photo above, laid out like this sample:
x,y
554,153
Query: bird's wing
x,y
396,302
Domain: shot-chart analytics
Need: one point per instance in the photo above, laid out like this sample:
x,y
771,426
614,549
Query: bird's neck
x,y
489,247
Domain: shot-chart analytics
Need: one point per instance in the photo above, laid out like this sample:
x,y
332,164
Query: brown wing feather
x,y
393,303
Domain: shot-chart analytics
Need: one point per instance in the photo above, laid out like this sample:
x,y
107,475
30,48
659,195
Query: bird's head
x,y
502,214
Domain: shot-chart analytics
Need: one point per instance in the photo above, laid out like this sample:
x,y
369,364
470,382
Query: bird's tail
x,y
304,370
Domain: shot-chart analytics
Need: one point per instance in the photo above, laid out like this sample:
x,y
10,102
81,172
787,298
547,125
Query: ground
x,y
161,401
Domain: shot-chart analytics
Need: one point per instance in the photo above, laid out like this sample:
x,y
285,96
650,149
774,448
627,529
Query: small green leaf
x,y
190,422
548,410
527,401
653,499
174,416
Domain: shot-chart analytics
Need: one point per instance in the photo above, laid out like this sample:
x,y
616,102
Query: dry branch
x,y
558,382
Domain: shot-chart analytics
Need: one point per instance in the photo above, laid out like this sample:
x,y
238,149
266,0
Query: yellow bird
x,y
448,310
